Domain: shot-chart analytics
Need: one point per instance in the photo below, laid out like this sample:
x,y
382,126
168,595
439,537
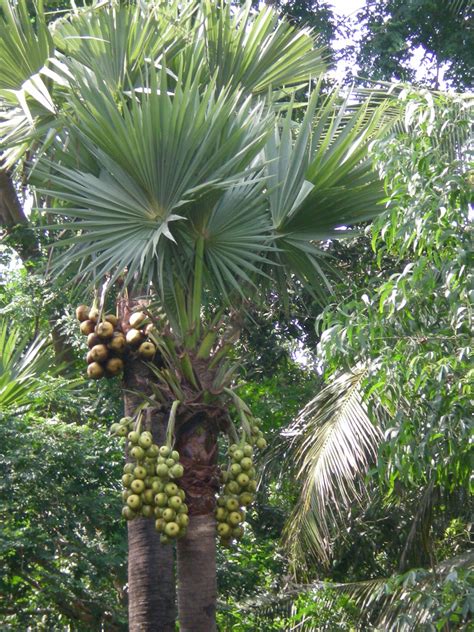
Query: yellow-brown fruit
x,y
112,319
98,353
89,358
137,319
82,312
147,350
87,327
114,366
117,343
104,330
95,371
94,314
93,340
134,337
150,329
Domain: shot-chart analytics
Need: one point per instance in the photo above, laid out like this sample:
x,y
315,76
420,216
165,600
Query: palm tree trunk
x,y
151,581
197,586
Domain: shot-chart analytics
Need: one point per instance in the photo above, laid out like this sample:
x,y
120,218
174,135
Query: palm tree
x,y
168,142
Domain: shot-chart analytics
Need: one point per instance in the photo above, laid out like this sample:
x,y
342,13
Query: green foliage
x,y
62,549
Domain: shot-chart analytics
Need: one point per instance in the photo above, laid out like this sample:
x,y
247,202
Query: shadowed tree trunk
x,y
151,581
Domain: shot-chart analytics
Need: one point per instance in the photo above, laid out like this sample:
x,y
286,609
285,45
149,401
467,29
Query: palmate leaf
x,y
258,52
158,151
334,441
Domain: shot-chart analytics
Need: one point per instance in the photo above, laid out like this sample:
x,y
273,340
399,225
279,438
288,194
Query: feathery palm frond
x,y
335,442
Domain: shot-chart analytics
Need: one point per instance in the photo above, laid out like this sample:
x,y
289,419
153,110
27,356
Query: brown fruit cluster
x,y
108,343
239,490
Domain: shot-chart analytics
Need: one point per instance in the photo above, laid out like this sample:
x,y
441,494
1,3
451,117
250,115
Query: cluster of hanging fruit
x,y
108,343
149,483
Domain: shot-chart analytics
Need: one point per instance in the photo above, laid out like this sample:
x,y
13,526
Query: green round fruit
x,y
157,485
221,501
235,469
243,480
153,451
128,468
122,431
238,532
232,504
221,514
161,499
128,513
165,451
261,443
245,498
238,455
162,470
247,449
133,437
145,441
147,511
175,455
169,514
246,463
164,539
177,470
234,518
134,501
171,489
172,529
183,508
140,472
223,529
174,502
137,486
232,487
252,486
125,421
170,462
114,428
182,520
137,453
127,480
182,494
158,511
160,524
125,494
148,497
232,448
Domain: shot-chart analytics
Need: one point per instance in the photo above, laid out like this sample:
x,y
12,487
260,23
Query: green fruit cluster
x,y
257,439
139,477
239,489
170,511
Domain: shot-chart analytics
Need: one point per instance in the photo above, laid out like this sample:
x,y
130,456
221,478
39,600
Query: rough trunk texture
x,y
197,586
151,581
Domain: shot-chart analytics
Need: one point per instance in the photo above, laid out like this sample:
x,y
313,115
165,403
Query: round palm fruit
x,y
175,455
137,486
145,441
137,453
232,487
95,371
160,459
232,504
181,494
128,513
127,480
87,327
245,498
174,502
164,539
89,358
104,330
247,450
146,350
94,314
122,430
243,480
170,462
98,353
147,511
150,466
134,501
128,468
152,452
134,337
157,486
172,529
224,477
183,508
112,319
177,470
162,470
93,340
223,529
137,319
251,472
171,489
165,451
238,532
133,436
114,366
114,427
148,496
182,520
150,329
161,499
252,486
246,463
82,313
160,524
232,448
117,343
237,455
140,472
221,501
261,443
235,469
221,514
169,514
126,421
158,512
125,494
234,518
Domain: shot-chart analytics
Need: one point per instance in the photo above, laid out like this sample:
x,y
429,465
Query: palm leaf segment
x,y
335,442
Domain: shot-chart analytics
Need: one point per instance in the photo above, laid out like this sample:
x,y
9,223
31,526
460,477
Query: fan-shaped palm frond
x,y
334,441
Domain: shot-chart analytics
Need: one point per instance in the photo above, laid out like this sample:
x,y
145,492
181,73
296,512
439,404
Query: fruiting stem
x,y
242,409
171,423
